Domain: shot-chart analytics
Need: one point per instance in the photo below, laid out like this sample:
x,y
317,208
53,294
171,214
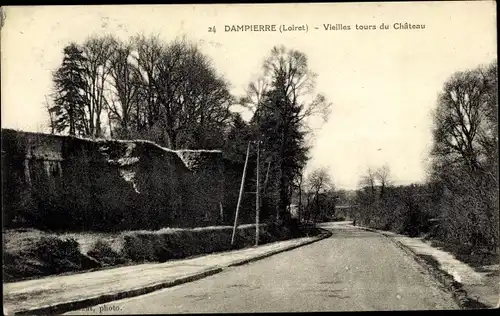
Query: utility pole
x,y
257,198
267,175
257,184
241,193
300,198
221,212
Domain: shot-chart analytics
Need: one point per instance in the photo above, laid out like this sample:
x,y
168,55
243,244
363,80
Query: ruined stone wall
x,y
63,182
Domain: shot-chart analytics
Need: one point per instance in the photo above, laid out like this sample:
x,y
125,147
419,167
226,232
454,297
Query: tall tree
x,y
382,174
369,180
125,82
237,138
465,154
97,52
461,118
283,92
206,100
319,183
166,92
184,96
146,55
69,88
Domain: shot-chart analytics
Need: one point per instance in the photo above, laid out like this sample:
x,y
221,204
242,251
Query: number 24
x,y
211,29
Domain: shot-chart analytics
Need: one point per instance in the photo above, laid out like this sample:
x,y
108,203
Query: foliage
x,y
103,252
403,209
281,100
69,84
165,92
319,196
45,256
156,246
170,93
461,194
465,156
51,254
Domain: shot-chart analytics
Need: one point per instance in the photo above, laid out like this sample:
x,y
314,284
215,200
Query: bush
x,y
138,248
58,254
102,251
16,267
53,255
404,210
163,246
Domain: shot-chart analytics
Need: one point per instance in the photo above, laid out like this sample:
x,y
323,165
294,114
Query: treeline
x,y
461,194
405,209
171,93
317,197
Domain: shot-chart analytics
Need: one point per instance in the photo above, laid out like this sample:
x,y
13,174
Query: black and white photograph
x,y
245,158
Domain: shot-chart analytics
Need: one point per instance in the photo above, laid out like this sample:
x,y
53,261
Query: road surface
x,y
353,270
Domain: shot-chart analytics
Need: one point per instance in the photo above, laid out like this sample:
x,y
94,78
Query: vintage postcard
x,y
249,158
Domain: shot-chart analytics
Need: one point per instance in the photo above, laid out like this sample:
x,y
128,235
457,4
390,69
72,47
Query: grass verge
x,y
475,257
51,254
456,288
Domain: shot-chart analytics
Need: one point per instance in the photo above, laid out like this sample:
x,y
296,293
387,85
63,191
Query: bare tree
x,y
52,116
97,52
461,118
125,82
255,93
206,100
369,180
319,182
169,93
382,175
287,70
193,99
465,155
147,55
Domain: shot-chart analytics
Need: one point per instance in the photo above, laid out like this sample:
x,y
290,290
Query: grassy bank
x,y
33,253
474,256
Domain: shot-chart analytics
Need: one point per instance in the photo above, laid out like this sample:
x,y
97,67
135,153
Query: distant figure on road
x,y
354,222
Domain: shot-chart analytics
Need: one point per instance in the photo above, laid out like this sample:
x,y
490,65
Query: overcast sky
x,y
383,83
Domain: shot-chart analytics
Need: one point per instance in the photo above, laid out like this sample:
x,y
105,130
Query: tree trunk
x,y
317,207
71,118
283,189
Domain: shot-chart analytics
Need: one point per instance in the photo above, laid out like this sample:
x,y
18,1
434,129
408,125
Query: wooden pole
x,y
221,212
300,199
257,200
267,175
241,193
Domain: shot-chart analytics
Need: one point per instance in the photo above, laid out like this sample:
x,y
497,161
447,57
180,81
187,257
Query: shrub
x,y
16,267
164,245
61,255
162,248
102,251
138,248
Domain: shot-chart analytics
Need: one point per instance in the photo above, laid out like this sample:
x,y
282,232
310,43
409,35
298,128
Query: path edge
x,y
325,234
456,289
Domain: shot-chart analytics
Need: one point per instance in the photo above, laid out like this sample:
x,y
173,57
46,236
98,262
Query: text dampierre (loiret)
x,y
325,27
